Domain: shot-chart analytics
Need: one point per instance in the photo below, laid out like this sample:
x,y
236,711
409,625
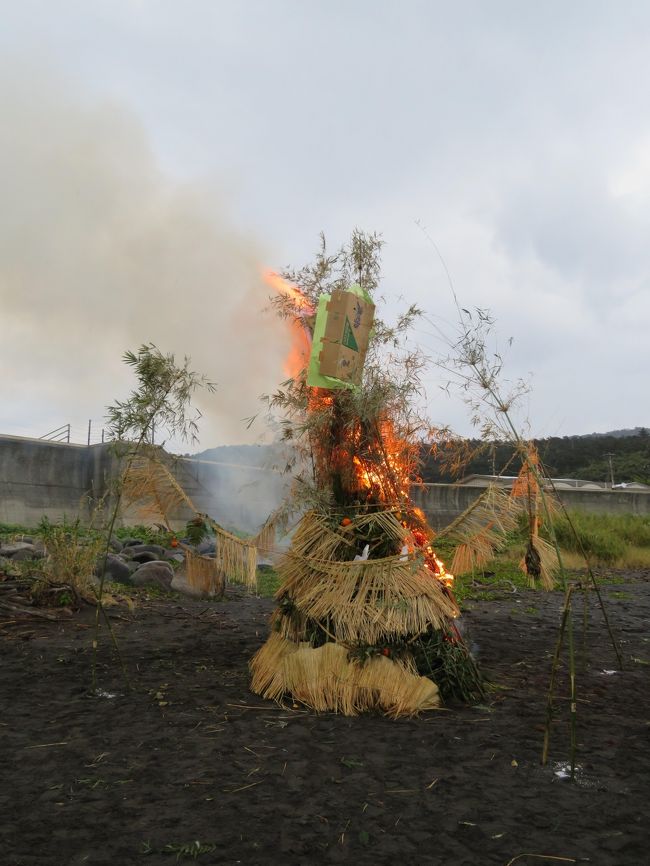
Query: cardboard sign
x,y
343,324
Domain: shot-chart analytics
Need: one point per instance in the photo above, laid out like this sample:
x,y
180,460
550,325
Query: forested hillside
x,y
585,457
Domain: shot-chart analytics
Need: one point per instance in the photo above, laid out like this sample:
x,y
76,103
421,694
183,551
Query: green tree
x,y
163,400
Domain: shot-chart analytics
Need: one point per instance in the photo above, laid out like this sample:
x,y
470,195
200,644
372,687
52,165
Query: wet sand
x,y
191,754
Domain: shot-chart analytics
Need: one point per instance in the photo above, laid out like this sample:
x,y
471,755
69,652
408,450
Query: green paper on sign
x,y
348,336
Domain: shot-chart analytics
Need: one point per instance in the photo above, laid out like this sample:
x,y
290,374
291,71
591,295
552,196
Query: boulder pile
x,y
137,563
130,561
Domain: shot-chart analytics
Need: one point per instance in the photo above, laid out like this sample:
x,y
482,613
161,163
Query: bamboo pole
x,y
594,582
554,669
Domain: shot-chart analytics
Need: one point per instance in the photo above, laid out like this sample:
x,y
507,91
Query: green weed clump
x,y
633,528
71,555
11,531
605,538
146,534
268,583
497,579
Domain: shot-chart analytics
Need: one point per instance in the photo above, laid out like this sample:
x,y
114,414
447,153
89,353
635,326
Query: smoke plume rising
x,y
100,252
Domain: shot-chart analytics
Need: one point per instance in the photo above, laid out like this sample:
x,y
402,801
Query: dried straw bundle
x,y
370,600
204,574
317,536
326,679
267,666
235,557
540,562
151,484
479,530
314,536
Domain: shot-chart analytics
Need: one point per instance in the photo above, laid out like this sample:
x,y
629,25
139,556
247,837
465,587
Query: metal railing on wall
x,y
94,434
61,434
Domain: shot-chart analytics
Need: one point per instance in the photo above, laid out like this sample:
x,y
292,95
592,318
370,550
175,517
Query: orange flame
x,y
300,348
391,476
388,471
284,287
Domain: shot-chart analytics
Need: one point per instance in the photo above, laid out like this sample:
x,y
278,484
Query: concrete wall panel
x,y
39,478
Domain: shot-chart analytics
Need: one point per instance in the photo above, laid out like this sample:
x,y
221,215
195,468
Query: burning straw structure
x,y
365,617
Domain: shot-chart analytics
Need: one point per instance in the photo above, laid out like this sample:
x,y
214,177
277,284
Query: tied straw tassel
x,y
266,667
546,563
204,574
366,600
480,529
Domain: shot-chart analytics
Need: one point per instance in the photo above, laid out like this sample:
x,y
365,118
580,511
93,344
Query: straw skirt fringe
x,y
326,679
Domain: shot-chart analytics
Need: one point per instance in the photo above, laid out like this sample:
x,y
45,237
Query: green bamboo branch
x,y
109,535
160,381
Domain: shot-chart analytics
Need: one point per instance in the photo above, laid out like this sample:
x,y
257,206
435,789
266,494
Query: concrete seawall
x,y
443,502
50,479
56,480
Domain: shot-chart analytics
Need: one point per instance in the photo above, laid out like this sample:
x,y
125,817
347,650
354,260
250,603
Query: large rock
x,y
27,553
207,546
134,549
131,542
10,550
115,544
143,556
116,568
157,573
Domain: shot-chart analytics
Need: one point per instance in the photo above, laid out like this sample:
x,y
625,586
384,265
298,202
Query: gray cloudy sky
x,y
155,153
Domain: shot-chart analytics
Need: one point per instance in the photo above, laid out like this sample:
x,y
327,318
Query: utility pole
x,y
609,456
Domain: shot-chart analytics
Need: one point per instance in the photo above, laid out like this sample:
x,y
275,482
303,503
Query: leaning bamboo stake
x,y
585,619
554,669
593,581
573,705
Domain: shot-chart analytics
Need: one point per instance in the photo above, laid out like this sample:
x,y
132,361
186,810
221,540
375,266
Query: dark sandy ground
x,y
192,755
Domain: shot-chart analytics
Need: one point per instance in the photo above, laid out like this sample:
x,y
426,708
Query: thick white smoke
x,y
100,252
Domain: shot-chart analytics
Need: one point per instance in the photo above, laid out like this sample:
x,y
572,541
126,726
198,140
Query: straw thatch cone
x,y
334,615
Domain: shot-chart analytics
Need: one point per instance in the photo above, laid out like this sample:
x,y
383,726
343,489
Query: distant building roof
x,y
484,480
